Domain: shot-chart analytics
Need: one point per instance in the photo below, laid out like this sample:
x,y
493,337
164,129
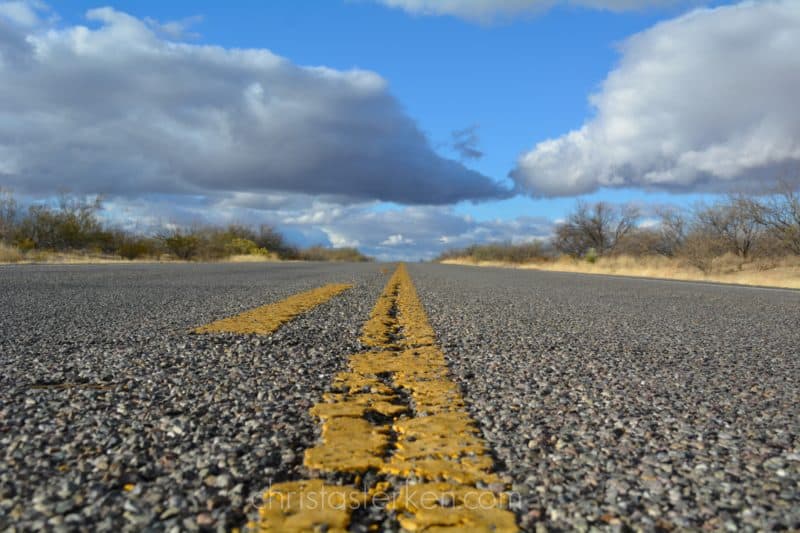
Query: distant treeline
x,y
504,252
73,225
745,227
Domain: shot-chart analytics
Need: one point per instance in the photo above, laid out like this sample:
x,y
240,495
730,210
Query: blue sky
x,y
517,79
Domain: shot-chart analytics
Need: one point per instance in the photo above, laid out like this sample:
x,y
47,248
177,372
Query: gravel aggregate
x,y
114,417
610,403
616,403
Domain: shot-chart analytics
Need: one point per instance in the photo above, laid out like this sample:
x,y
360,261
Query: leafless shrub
x,y
181,243
780,214
73,225
731,224
507,252
672,229
9,254
136,247
639,242
600,226
700,249
8,215
272,240
321,253
736,233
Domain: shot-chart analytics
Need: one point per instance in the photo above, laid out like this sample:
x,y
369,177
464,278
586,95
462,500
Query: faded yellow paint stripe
x,y
396,413
267,318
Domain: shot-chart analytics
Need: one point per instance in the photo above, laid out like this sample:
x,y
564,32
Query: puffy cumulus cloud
x,y
707,101
26,13
415,232
117,108
485,10
396,240
401,232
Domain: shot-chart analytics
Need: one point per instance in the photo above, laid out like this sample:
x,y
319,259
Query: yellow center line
x,y
267,318
396,415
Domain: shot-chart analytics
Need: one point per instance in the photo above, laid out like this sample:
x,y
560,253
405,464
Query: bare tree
x,y
700,248
600,226
8,214
672,229
780,214
731,223
623,223
74,225
568,239
270,238
183,244
640,242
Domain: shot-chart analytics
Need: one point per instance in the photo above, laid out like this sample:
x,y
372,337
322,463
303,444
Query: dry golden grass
x,y
70,258
9,254
726,269
252,258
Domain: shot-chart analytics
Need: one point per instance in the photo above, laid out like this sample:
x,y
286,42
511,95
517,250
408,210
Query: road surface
x,y
577,401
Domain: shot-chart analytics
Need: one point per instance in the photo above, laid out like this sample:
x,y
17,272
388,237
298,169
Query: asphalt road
x,y
607,402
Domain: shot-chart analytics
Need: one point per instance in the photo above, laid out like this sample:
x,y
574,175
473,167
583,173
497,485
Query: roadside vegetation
x,y
321,253
740,239
503,252
72,231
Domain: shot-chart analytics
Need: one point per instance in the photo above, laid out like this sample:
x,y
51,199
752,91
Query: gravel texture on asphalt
x,y
609,403
618,403
114,417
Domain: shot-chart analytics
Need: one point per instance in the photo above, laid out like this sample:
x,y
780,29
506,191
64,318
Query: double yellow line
x,y
395,434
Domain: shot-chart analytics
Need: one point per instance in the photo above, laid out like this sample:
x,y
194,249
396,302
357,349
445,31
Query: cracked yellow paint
x,y
466,470
442,507
351,382
338,405
382,324
309,505
413,320
450,435
396,412
362,453
267,318
421,371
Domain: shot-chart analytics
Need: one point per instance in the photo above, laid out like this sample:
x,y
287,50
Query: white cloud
x,y
116,108
26,13
175,29
396,240
338,240
411,232
426,231
707,101
485,10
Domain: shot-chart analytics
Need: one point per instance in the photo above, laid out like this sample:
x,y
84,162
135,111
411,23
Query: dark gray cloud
x,y
14,49
115,108
466,143
703,102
